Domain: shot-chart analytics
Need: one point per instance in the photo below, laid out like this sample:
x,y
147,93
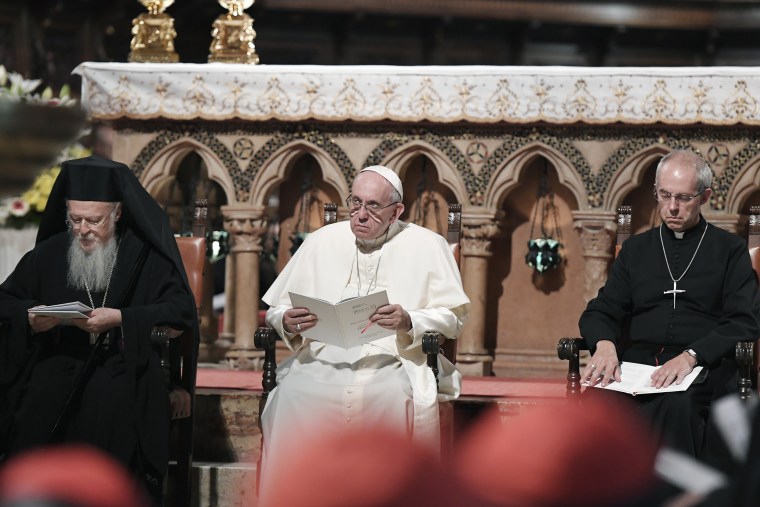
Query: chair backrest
x,y
753,239
193,252
454,238
454,232
624,227
753,243
192,249
331,213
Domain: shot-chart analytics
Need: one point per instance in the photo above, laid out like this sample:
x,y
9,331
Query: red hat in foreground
x,y
74,475
590,454
369,468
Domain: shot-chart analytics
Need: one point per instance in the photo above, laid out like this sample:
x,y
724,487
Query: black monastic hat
x,y
96,178
92,179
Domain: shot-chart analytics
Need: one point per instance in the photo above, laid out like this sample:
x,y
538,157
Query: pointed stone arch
x,y
631,173
400,158
274,170
745,183
508,175
163,166
452,156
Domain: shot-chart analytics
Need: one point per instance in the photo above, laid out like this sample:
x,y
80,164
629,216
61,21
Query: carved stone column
x,y
597,232
479,228
246,225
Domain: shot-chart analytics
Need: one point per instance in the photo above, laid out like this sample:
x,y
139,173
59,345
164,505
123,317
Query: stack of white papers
x,y
345,324
73,310
636,379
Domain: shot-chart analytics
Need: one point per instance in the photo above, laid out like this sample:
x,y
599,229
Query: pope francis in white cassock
x,y
384,381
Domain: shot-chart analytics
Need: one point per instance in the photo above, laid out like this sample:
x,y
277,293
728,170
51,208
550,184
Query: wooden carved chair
x,y
433,343
750,351
179,360
570,348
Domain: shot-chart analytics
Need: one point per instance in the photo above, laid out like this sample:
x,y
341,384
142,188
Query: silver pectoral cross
x,y
675,291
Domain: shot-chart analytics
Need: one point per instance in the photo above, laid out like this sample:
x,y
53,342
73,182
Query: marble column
x,y
479,228
246,225
597,230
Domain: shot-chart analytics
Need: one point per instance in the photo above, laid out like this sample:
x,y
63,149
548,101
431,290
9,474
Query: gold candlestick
x,y
153,34
233,35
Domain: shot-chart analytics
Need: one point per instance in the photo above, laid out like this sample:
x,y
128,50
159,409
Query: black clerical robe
x,y
718,308
123,405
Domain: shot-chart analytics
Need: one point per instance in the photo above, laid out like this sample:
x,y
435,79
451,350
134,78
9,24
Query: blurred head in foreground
x,y
70,476
369,468
593,454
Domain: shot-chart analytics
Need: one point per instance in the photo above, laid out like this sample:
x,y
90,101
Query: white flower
x,y
19,207
21,86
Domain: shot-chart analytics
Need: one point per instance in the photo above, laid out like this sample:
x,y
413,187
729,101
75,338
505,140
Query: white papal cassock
x,y
386,381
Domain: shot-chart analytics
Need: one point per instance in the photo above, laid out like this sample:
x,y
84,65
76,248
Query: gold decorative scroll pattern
x,y
711,96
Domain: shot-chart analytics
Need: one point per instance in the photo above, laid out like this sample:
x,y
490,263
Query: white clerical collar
x,y
678,234
367,245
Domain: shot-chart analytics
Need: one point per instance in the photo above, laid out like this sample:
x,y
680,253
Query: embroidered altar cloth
x,y
479,94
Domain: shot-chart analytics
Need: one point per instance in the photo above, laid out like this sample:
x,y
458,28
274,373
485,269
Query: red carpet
x,y
472,386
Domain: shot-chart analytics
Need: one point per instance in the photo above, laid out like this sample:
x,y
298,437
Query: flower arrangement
x,y
26,209
14,88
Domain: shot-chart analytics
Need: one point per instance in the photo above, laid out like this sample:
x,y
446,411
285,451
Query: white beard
x,y
92,269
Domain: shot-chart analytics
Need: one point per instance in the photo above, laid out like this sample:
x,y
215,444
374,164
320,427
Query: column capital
x,y
597,233
731,223
480,226
246,224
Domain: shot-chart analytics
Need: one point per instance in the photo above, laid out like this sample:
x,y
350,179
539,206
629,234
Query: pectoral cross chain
x,y
675,291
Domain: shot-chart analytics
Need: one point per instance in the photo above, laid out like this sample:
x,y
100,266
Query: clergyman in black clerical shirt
x,y
687,292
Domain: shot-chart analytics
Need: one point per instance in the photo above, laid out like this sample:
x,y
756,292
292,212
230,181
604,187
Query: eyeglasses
x,y
372,208
662,195
92,224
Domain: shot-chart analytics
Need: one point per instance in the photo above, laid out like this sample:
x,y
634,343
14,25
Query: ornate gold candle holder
x,y
153,34
233,35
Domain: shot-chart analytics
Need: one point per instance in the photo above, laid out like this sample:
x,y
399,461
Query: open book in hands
x,y
65,311
345,324
636,379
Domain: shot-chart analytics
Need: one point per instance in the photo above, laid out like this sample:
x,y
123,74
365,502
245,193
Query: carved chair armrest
x,y
569,349
431,346
745,355
265,339
160,338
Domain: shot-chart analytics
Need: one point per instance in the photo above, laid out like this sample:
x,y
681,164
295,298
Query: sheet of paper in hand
x,y
73,310
344,324
635,379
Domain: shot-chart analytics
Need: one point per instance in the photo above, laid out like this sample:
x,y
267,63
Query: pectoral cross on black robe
x,y
675,291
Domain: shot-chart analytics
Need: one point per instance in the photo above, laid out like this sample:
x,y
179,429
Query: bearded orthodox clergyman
x,y
103,241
